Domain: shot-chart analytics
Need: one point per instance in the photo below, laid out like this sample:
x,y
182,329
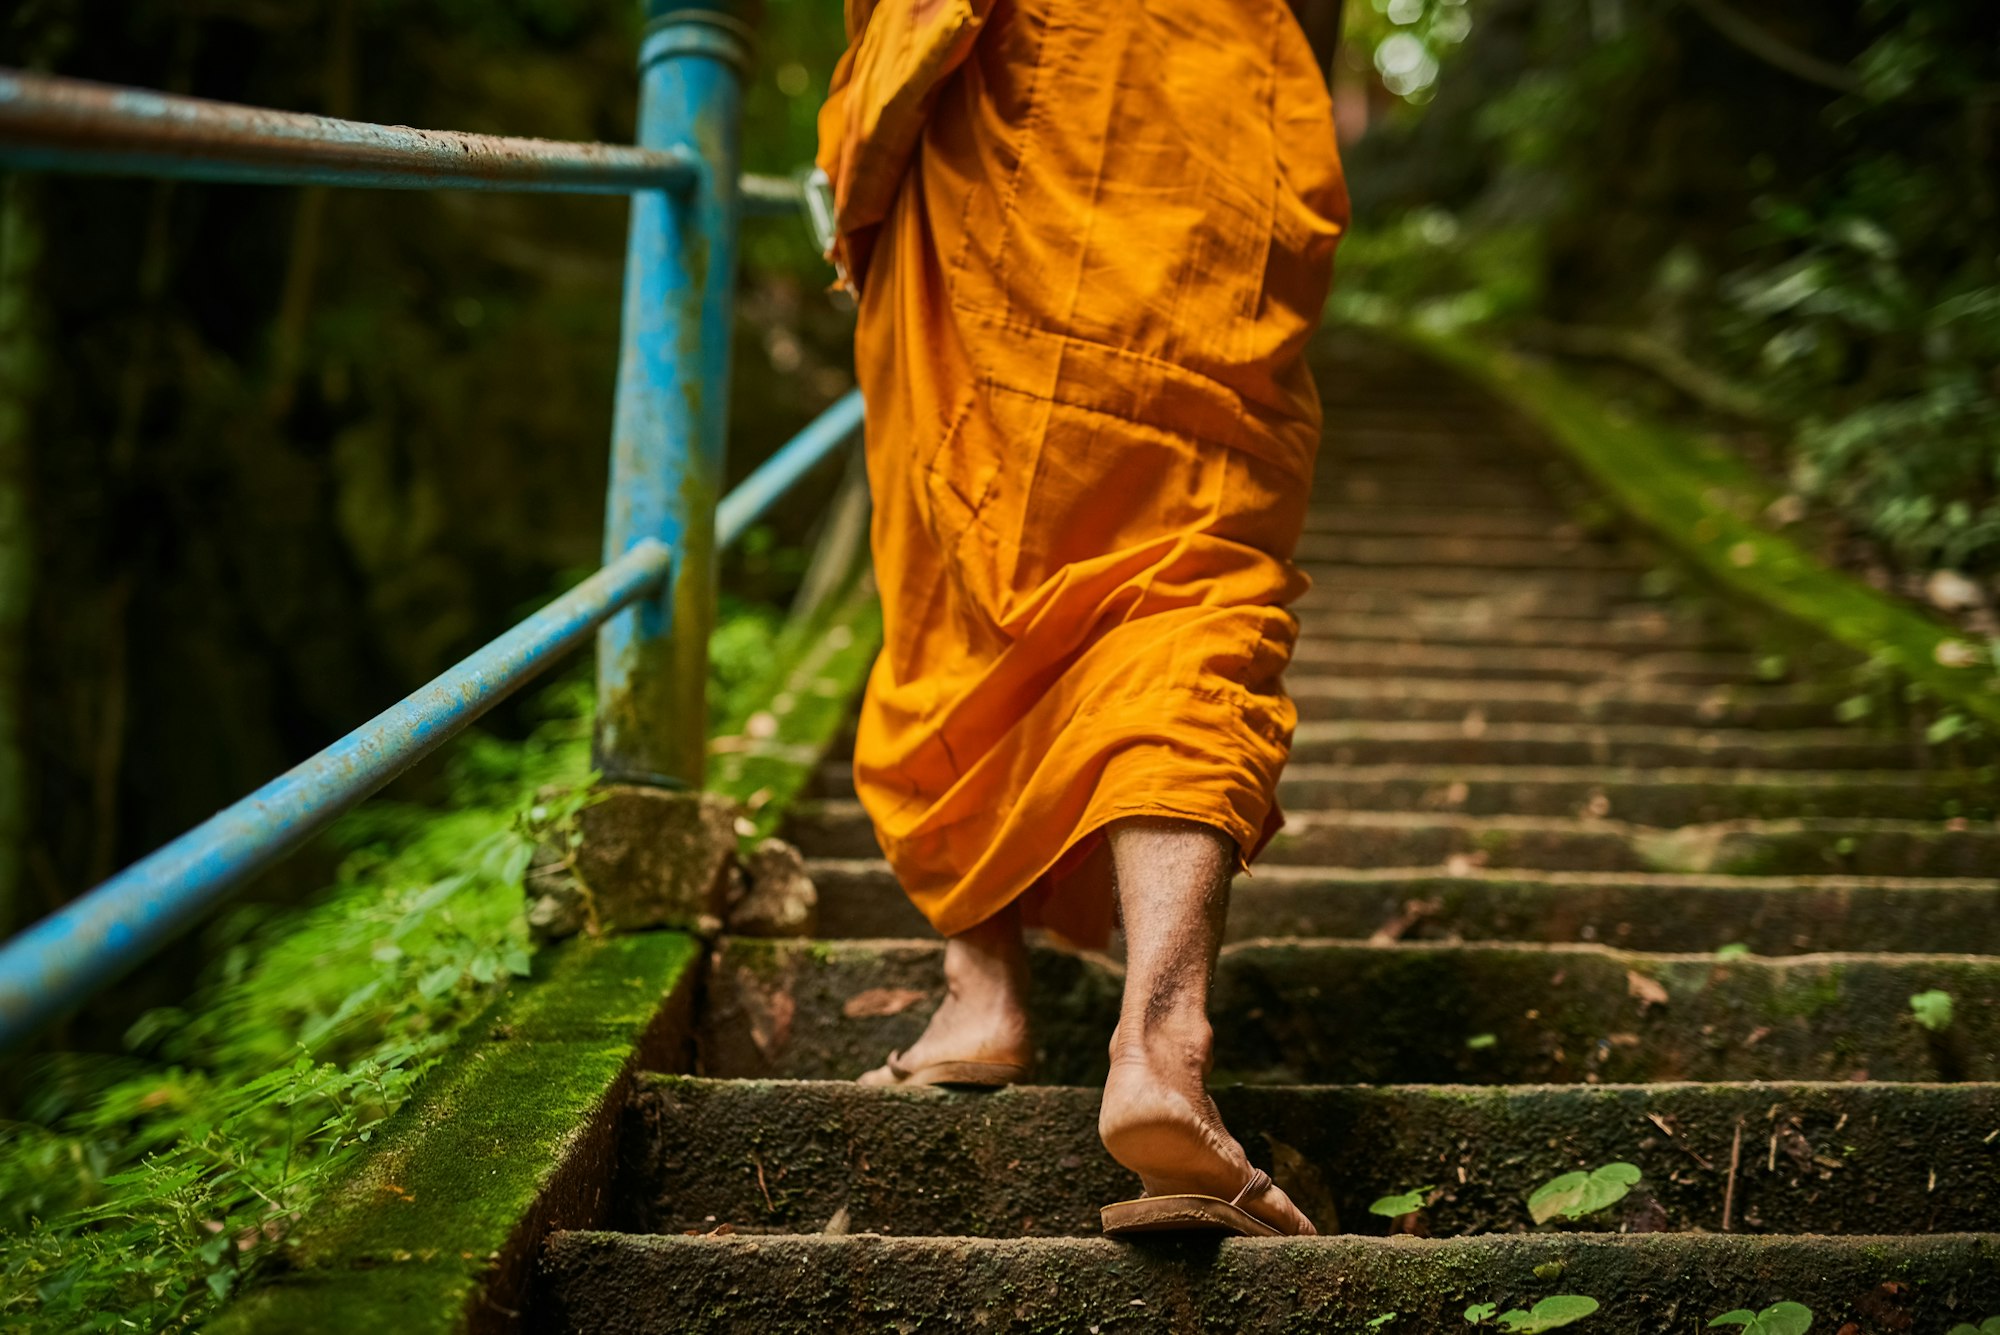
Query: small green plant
x,y
1777,1319
1932,1009
1548,1314
1479,1312
1947,726
1395,1207
1481,1042
1382,1320
1574,1195
1549,1271
1990,1326
1735,950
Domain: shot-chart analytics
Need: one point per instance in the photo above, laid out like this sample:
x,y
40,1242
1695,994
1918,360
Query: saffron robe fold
x,y
1091,241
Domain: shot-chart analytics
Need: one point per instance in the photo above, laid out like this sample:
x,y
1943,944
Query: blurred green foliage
x,y
1796,205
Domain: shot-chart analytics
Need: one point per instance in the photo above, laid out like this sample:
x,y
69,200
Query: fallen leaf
x,y
879,1001
1648,990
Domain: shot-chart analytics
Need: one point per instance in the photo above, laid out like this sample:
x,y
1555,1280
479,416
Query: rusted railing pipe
x,y
56,124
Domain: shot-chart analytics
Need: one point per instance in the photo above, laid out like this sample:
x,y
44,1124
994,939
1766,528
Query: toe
x,y
1275,1208
881,1075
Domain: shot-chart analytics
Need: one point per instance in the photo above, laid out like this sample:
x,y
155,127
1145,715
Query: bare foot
x,y
984,1015
1158,1120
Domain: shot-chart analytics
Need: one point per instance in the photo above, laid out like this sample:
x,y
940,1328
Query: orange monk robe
x,y
1091,238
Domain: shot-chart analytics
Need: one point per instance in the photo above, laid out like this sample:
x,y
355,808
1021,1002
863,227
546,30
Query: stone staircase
x,y
1531,803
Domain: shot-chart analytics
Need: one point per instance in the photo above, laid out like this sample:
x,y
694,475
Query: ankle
x,y
1170,1044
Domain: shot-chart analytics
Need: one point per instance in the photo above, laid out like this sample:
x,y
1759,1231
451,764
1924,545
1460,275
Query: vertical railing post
x,y
673,394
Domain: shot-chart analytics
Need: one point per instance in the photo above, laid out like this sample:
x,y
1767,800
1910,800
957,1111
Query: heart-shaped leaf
x,y
1394,1207
1574,1195
1548,1314
1990,1326
1478,1312
1777,1319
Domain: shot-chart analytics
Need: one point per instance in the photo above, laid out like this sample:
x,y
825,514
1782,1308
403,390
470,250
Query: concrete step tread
x,y
1826,1157
1396,730
1433,625
1662,795
1475,739
1691,666
1423,876
1375,520
1982,778
1548,552
1557,1012
1651,911
1326,695
850,809
1644,1283
1456,840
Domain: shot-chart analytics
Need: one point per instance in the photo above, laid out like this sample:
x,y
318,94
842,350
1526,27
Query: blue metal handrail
x,y
653,602
49,123
777,475
63,959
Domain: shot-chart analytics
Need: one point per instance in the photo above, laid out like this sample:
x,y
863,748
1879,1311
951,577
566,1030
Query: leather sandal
x,y
961,1075
1191,1214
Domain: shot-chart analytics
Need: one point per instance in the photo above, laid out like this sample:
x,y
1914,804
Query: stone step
x,y
1451,624
1652,911
1662,797
1526,553
1798,846
1514,700
1576,588
637,1284
1469,419
1476,741
1404,449
1522,522
1425,488
1794,846
1516,663
1520,595
1409,1012
1828,1158
1450,479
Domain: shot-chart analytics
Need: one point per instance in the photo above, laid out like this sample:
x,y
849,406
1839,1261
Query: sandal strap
x,y
1259,1180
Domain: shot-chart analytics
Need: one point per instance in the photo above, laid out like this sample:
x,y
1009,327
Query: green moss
x,y
1703,502
817,669
510,1136
407,1296
1808,994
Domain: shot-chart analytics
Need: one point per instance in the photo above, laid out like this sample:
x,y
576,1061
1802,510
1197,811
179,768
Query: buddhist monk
x,y
1089,240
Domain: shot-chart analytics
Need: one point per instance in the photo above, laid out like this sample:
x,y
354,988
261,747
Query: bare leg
x,y
984,1014
1157,1118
